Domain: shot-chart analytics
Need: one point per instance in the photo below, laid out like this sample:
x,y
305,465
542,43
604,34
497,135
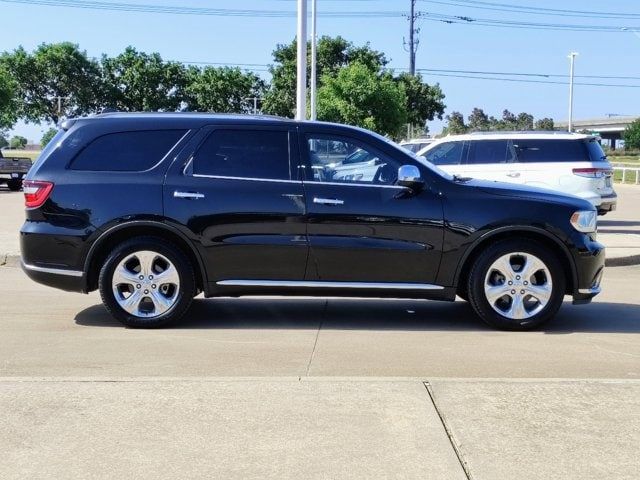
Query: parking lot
x,y
320,388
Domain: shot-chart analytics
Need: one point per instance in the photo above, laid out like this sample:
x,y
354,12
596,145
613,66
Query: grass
x,y
31,154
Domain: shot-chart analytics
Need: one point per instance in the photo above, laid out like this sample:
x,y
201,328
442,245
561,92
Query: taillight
x,y
593,172
36,192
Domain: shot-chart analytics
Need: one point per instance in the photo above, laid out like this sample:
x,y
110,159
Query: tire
x,y
531,299
14,184
147,302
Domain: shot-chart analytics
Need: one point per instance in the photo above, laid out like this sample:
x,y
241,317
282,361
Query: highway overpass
x,y
609,128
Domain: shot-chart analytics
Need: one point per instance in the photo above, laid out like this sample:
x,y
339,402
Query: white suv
x,y
569,162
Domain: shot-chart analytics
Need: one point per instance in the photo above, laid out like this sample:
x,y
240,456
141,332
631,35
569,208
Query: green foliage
x,y
359,96
48,135
18,142
136,82
631,135
455,125
3,141
223,90
424,102
545,124
8,101
479,121
333,55
52,71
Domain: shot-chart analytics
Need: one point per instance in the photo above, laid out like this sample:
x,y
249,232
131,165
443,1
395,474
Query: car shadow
x,y
373,314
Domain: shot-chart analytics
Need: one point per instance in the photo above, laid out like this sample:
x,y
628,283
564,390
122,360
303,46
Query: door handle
x,y
328,201
513,174
188,195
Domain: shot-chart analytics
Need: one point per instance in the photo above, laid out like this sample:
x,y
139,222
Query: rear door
x,y
235,189
492,160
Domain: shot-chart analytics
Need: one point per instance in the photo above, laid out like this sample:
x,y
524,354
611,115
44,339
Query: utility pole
x,y
412,45
301,93
314,55
572,57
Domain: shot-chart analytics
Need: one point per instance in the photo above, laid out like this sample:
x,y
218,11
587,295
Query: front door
x,y
362,227
238,193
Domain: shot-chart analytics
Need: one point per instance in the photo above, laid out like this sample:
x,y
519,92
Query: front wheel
x,y
516,285
147,282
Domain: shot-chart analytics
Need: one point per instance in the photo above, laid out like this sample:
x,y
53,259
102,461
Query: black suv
x,y
152,209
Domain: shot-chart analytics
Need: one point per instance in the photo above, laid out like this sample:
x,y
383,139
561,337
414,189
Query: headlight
x,y
585,221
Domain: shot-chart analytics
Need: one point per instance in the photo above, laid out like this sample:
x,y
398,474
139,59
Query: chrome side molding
x,y
54,271
314,284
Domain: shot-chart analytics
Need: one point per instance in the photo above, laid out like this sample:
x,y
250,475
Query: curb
x,y
8,260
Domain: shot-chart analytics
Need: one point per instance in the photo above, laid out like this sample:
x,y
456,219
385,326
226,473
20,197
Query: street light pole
x,y
314,55
572,57
301,94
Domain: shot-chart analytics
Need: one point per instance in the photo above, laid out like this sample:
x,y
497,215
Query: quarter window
x,y
245,154
542,151
349,161
127,151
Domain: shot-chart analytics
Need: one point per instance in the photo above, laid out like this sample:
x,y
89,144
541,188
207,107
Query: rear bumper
x,y
608,203
61,278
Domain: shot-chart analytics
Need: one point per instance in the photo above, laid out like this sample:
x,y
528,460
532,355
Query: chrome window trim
x,y
314,284
54,271
354,184
251,179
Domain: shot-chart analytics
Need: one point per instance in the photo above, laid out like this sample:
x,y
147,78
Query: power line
x,y
506,7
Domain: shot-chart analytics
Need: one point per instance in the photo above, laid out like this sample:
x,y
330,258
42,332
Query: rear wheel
x,y
147,282
14,184
516,285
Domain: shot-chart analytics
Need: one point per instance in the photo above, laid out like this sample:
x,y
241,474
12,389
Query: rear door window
x,y
244,153
135,151
448,153
546,151
490,151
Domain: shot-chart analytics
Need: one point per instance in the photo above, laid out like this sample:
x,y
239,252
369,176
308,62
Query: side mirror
x,y
409,176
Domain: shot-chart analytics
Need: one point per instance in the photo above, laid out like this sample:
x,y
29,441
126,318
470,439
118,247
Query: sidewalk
x,y
320,428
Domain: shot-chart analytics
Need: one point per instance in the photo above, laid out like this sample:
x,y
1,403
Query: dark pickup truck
x,y
12,170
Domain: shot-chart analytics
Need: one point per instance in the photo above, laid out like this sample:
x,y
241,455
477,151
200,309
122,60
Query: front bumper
x,y
589,258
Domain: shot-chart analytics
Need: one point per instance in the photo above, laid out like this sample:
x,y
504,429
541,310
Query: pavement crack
x,y
315,343
447,429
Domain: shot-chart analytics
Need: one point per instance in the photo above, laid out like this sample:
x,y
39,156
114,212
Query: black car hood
x,y
529,192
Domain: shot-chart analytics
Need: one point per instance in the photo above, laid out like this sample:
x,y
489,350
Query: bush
x,y
631,135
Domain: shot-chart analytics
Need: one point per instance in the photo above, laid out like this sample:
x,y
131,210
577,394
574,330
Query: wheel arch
x,y
124,231
520,232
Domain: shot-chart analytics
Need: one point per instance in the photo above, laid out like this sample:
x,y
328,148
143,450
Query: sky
x,y
468,46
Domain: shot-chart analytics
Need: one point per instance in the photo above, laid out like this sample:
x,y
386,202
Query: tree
x,y
545,124
509,121
333,54
8,103
224,90
631,135
137,81
455,124
56,80
424,102
18,142
48,135
356,95
3,141
524,121
478,121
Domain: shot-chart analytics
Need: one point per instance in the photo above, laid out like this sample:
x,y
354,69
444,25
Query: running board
x,y
308,284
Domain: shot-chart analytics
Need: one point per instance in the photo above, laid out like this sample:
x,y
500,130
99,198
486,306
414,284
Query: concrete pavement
x,y
318,388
